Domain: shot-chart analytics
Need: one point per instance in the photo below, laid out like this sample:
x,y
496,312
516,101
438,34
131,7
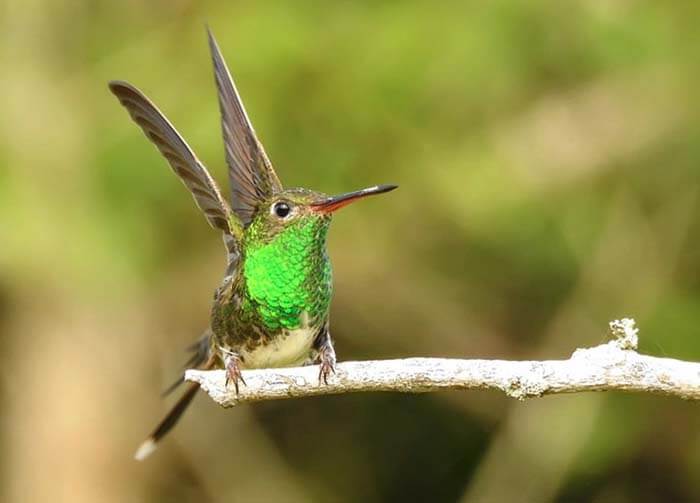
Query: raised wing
x,y
178,154
252,177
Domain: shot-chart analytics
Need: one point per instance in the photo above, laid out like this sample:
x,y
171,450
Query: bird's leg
x,y
232,363
326,355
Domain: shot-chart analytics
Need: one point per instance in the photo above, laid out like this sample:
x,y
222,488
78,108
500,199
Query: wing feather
x,y
176,151
251,175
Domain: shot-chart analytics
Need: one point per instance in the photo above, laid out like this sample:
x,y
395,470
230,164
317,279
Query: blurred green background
x,y
548,155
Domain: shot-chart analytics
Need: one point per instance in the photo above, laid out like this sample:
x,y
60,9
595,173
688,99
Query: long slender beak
x,y
330,204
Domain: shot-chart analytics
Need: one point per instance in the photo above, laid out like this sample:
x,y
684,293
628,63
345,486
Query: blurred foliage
x,y
548,158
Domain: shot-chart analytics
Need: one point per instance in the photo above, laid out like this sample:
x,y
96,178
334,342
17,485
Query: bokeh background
x,y
548,155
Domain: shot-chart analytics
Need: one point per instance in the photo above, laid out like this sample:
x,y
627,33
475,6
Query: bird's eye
x,y
281,209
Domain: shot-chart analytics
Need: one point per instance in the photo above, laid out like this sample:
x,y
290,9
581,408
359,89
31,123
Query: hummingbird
x,y
272,306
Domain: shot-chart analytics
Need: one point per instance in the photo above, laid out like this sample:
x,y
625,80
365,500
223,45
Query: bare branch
x,y
608,367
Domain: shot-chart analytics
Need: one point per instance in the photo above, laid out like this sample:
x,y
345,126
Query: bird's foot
x,y
327,363
232,362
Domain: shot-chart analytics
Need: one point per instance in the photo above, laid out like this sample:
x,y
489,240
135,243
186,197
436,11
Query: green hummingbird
x,y
272,307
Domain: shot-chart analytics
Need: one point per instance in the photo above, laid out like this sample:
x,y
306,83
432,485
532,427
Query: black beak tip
x,y
387,187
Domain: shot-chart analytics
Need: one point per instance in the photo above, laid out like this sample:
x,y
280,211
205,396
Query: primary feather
x,y
251,175
178,154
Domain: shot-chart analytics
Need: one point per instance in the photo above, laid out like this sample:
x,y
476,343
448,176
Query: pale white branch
x,y
608,367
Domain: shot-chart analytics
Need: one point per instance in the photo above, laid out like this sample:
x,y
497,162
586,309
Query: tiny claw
x,y
326,358
326,368
233,371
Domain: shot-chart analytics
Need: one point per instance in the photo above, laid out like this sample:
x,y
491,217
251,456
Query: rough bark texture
x,y
612,366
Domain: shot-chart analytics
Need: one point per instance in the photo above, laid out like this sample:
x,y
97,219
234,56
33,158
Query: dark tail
x,y
173,416
151,443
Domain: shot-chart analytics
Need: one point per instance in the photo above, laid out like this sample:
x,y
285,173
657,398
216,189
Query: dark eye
x,y
281,209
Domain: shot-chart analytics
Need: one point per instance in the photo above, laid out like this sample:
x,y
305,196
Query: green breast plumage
x,y
288,280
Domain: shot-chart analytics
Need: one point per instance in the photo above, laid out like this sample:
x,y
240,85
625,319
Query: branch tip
x,y
625,333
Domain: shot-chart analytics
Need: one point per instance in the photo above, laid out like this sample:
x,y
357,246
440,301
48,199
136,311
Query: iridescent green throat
x,y
288,279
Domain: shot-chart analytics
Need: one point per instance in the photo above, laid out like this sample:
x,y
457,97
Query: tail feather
x,y
149,445
202,360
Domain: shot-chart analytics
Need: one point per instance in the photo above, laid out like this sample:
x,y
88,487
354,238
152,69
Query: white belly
x,y
288,350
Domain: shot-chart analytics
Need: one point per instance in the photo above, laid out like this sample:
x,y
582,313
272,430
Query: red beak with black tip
x,y
330,204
